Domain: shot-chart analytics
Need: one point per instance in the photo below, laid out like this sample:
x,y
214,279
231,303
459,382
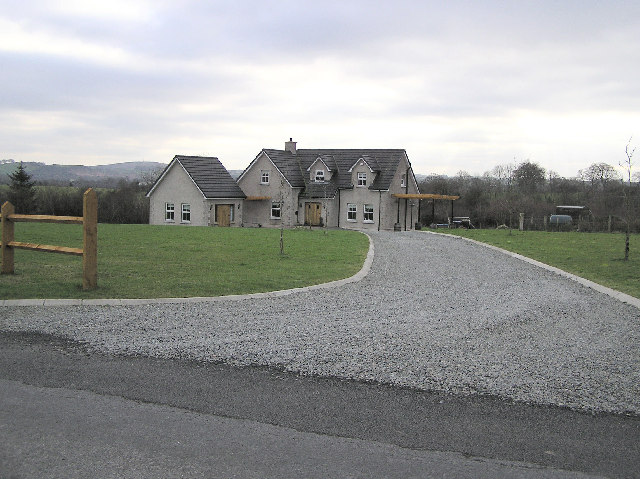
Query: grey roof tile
x,y
325,189
210,176
294,167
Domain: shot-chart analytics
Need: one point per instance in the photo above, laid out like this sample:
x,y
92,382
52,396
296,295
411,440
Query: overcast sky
x,y
461,85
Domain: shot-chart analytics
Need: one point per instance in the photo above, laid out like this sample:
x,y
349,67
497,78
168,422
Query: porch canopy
x,y
426,196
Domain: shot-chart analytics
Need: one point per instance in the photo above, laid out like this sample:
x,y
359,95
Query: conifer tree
x,y
22,193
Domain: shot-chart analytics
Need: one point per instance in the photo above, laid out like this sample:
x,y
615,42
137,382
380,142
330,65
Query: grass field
x,y
598,257
143,261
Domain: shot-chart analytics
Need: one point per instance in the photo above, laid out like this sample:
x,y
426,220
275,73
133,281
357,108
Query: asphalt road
x,y
65,412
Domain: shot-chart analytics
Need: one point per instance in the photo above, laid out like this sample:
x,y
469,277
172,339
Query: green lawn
x,y
143,261
598,257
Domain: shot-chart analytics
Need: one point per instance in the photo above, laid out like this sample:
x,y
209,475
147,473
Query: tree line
x,y
127,203
496,198
499,196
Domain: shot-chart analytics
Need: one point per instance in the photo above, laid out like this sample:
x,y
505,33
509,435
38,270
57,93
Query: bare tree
x,y
282,216
504,173
627,165
599,174
529,176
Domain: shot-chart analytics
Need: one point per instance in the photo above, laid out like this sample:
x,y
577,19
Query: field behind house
x,y
144,261
598,257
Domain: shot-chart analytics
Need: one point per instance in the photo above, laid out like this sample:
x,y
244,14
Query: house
x,y
345,188
197,191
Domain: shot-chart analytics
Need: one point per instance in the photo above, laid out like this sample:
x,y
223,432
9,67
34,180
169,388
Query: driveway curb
x,y
364,271
625,298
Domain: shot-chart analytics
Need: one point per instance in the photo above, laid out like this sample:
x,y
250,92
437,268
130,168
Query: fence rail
x,y
89,250
72,220
608,224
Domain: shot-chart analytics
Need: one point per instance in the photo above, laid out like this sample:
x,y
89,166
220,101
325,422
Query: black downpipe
x,y
379,207
339,210
406,200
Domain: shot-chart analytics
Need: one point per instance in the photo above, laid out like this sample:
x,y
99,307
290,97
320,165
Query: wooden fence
x,y
89,251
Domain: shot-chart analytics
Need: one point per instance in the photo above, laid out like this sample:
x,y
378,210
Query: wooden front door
x,y
223,215
312,214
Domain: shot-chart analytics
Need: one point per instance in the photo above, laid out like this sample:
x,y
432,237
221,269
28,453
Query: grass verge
x,y
598,257
144,261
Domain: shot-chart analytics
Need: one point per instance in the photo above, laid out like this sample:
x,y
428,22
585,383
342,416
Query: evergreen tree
x,y
22,193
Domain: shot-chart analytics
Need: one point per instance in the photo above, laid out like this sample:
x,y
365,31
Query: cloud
x,y
460,85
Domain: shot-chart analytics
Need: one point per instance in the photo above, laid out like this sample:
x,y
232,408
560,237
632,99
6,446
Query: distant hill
x,y
100,176
80,175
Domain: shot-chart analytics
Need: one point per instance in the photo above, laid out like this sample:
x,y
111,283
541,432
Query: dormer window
x,y
319,171
362,179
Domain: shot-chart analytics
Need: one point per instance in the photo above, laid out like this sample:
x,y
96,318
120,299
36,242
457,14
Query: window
x,y
275,211
351,212
402,183
264,177
362,179
186,213
169,210
319,175
368,214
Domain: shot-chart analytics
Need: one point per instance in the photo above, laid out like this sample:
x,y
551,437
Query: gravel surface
x,y
435,312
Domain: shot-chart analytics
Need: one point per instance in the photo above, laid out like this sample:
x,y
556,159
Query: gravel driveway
x,y
435,312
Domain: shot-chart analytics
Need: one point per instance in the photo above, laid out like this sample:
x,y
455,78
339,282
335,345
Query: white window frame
x,y
276,207
319,176
365,213
362,179
352,212
264,177
169,212
402,183
185,213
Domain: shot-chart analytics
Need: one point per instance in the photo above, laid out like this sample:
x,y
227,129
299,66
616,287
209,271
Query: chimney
x,y
290,146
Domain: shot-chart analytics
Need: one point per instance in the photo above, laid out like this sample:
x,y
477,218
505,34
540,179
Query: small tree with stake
x,y
22,193
627,164
282,216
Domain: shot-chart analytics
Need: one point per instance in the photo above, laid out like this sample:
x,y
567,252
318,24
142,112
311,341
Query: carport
x,y
419,197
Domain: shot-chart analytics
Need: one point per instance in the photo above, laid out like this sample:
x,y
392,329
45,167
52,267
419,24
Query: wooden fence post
x,y
89,240
7,237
